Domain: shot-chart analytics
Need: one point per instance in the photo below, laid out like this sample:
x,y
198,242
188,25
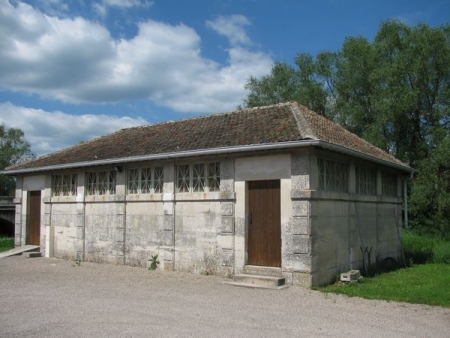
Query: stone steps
x,y
20,250
32,254
260,277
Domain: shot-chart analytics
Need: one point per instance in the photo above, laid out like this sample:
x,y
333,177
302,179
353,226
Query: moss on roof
x,y
286,122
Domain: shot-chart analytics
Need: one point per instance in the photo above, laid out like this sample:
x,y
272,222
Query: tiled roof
x,y
286,122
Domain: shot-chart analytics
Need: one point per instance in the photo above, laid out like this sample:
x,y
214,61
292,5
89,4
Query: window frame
x,y
64,184
197,177
385,177
328,171
101,183
365,180
146,180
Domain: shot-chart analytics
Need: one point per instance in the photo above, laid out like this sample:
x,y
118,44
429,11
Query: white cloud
x,y
232,27
101,7
75,60
51,131
127,3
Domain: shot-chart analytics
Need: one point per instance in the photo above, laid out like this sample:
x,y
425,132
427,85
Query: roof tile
x,y
263,125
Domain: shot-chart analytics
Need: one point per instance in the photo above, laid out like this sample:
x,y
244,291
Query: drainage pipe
x,y
405,199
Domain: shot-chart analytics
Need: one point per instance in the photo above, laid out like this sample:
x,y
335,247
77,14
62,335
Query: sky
x,y
74,70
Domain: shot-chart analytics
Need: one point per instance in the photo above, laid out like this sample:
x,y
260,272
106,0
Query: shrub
x,y
418,249
421,249
6,243
441,252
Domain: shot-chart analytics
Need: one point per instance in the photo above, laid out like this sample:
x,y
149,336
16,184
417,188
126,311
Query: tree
x,y
394,92
413,77
430,193
13,150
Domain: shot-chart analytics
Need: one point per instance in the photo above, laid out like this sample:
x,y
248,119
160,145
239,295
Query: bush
x,y
441,252
6,243
420,249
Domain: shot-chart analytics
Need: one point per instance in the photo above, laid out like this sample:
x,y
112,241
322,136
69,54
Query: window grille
x,y
183,178
101,183
145,180
199,177
64,185
389,185
333,176
214,176
133,181
159,180
366,181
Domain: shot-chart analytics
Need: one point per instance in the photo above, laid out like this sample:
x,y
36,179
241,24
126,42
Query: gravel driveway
x,y
43,297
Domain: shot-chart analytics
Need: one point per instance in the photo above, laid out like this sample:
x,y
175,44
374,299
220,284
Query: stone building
x,y
276,186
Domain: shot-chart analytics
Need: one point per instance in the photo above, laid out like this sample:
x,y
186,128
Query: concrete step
x,y
20,250
32,254
270,282
262,271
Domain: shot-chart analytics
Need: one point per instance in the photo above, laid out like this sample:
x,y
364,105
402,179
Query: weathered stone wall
x,y
274,167
104,230
189,231
350,230
197,227
207,233
297,251
66,220
144,231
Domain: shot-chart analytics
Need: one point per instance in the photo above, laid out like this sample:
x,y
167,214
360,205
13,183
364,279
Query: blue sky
x,y
74,70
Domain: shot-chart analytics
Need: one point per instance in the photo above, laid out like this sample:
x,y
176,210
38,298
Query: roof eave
x,y
364,156
215,151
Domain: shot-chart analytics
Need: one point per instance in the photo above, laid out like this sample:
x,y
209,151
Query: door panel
x,y
34,221
264,243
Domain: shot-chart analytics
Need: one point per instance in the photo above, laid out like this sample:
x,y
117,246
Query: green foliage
x,y
418,249
6,243
441,252
420,284
13,150
430,191
424,248
153,263
394,92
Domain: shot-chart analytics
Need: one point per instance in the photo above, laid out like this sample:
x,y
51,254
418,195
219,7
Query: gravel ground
x,y
43,297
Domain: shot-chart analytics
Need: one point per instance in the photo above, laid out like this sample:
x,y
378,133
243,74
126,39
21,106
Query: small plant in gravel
x,y
153,262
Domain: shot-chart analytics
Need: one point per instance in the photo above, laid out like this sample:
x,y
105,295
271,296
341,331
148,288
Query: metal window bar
x,y
74,185
214,176
112,183
133,181
199,177
183,178
146,180
159,179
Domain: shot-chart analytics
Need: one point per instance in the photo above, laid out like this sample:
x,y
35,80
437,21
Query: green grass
x,y
419,284
421,249
6,243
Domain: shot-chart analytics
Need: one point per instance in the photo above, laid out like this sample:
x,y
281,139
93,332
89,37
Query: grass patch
x,y
6,243
421,249
419,284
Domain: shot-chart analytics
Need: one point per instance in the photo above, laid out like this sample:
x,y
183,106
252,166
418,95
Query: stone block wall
x,y
66,221
207,232
145,231
104,234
